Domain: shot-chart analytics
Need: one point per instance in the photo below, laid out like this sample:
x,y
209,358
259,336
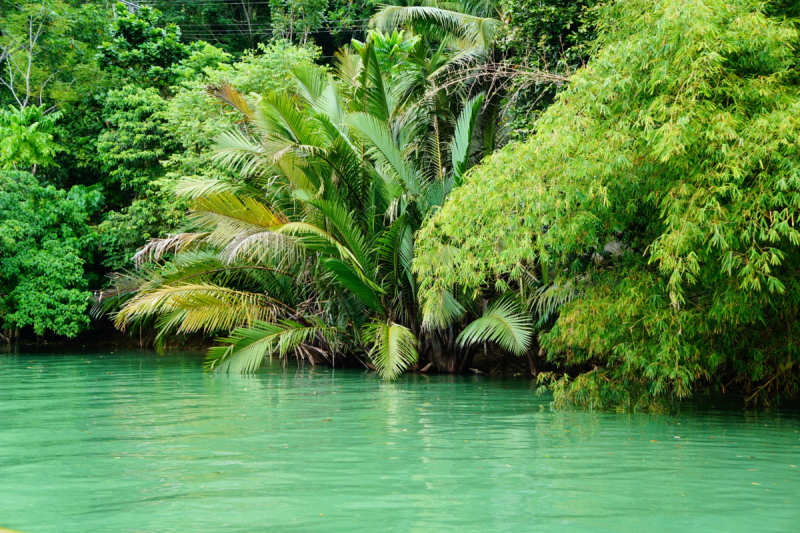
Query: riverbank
x,y
103,335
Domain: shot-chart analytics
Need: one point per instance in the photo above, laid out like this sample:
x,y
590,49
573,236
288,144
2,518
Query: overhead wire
x,y
265,30
210,30
245,24
262,28
151,3
229,3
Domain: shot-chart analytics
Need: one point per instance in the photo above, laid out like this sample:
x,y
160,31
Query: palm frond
x,y
374,96
197,307
236,151
396,250
386,152
284,119
548,299
354,282
462,137
393,348
247,347
199,187
263,247
310,82
348,68
227,94
156,249
471,31
318,239
330,104
506,323
441,311
343,222
227,215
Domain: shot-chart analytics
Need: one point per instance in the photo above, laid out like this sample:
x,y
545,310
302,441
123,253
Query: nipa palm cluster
x,y
309,253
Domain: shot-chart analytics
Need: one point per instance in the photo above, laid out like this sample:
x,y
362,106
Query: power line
x,y
260,30
326,26
202,3
227,3
234,23
212,29
263,29
196,29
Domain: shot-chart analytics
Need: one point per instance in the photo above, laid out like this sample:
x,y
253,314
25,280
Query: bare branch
x,y
502,71
36,25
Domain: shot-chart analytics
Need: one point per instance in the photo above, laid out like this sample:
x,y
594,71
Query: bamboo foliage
x,y
656,204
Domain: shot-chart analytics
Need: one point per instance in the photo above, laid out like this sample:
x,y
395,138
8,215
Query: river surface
x,y
133,442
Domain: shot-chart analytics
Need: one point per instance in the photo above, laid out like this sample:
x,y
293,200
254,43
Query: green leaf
x,y
247,347
506,323
393,348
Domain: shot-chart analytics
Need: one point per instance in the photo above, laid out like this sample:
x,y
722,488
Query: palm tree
x,y
465,34
470,26
310,253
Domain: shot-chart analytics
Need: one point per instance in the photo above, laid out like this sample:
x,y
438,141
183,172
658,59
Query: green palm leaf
x,y
310,83
317,239
441,311
462,137
339,219
396,251
156,249
504,322
350,280
199,187
472,31
247,347
386,152
198,307
238,152
393,350
227,216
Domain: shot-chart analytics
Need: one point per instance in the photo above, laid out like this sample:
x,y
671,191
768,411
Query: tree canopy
x,y
44,244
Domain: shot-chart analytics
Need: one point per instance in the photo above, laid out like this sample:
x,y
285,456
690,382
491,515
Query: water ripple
x,y
132,442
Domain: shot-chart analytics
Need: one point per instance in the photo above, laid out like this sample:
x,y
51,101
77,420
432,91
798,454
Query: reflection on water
x,y
133,442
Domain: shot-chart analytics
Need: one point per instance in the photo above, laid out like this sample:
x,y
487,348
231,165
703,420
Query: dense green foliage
x,y
650,221
551,31
47,50
639,246
115,100
26,138
140,50
44,244
117,105
306,246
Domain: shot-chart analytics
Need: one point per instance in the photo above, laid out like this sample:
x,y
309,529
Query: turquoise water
x,y
133,442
